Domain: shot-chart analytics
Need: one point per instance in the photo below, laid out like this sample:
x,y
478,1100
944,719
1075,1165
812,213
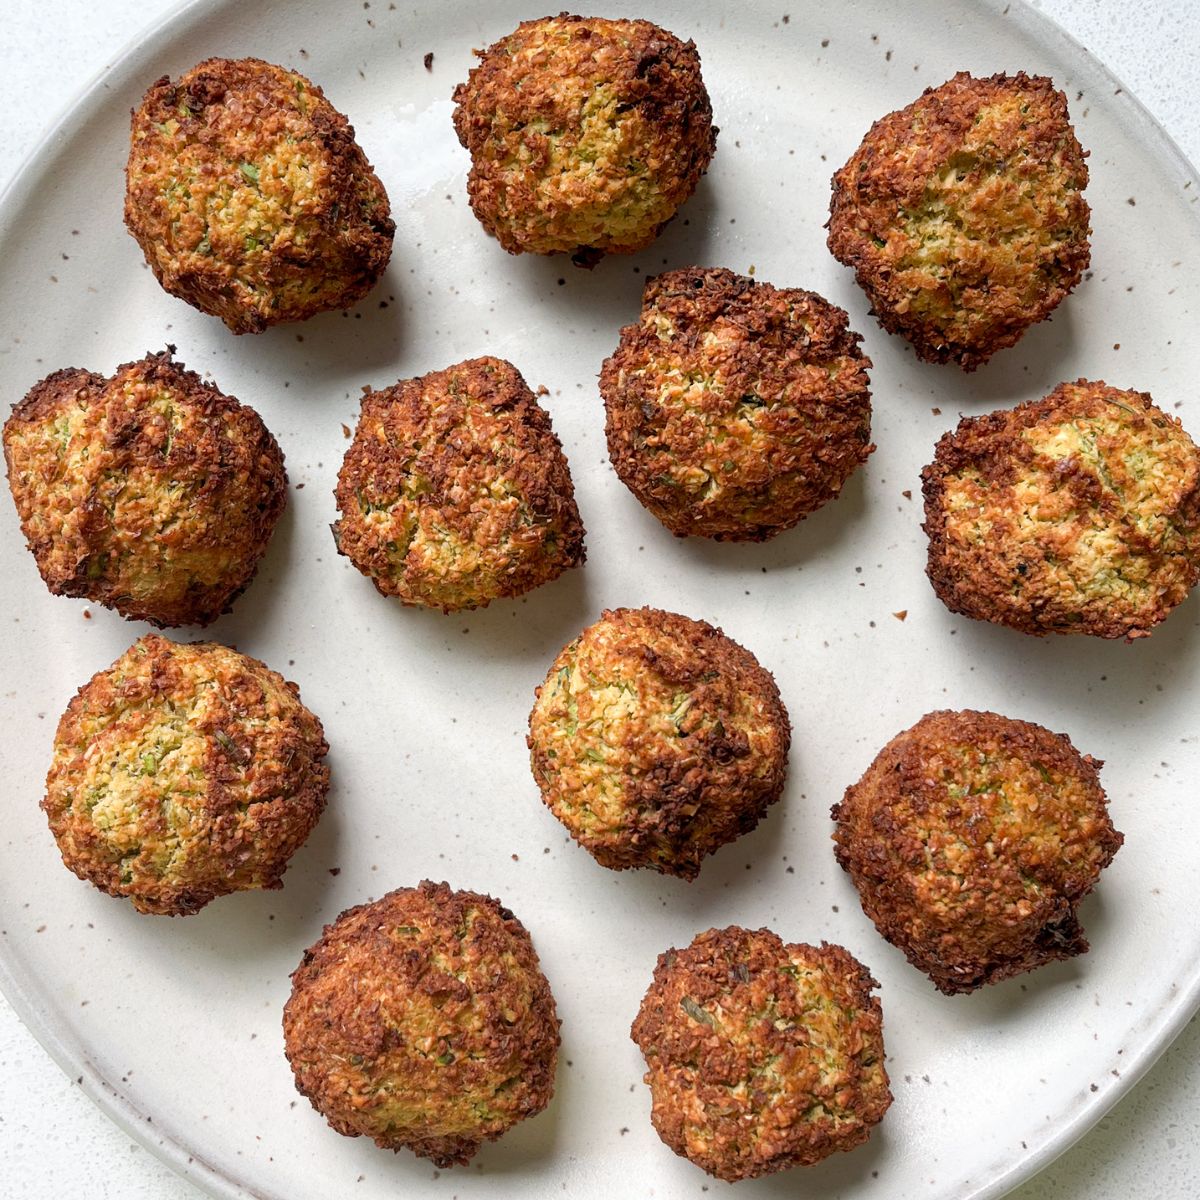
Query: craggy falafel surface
x,y
972,838
585,135
734,408
455,491
250,198
963,215
423,1021
656,739
761,1056
183,773
150,492
1078,513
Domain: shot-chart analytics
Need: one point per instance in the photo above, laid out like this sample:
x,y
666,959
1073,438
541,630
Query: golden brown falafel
x,y
455,491
585,135
150,492
1078,513
762,1056
963,215
423,1021
656,739
183,773
735,409
250,198
971,839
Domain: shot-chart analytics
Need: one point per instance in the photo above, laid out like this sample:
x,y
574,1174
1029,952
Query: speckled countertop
x,y
53,1142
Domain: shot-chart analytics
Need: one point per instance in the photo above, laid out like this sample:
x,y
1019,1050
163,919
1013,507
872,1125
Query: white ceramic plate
x,y
173,1026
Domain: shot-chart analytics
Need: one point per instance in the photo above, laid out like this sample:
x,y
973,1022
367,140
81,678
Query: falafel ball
x,y
250,198
1077,513
183,773
762,1056
734,408
455,491
971,839
423,1021
150,492
585,135
656,739
963,215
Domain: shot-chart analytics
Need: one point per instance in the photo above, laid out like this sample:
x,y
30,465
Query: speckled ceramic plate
x,y
174,1026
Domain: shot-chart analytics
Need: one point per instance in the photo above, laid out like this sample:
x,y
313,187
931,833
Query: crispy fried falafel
x,y
455,491
735,409
250,198
971,839
762,1056
150,492
585,135
1078,513
183,773
656,739
423,1021
963,215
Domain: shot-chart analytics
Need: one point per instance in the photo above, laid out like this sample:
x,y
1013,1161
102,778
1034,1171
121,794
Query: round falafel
x,y
963,215
182,773
150,492
455,491
656,739
585,135
250,198
734,408
971,839
423,1021
1077,513
762,1056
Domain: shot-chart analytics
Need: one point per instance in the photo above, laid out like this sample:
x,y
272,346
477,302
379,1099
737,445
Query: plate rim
x,y
1172,1016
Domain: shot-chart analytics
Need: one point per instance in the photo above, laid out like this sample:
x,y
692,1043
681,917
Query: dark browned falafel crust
x,y
734,408
423,1021
250,198
971,839
656,739
585,135
151,492
182,773
455,491
762,1056
963,215
1077,513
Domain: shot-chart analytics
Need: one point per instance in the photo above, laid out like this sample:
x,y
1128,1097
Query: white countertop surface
x,y
54,1142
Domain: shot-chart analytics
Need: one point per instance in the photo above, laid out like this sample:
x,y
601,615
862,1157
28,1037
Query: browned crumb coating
x,y
971,839
734,408
183,773
656,739
585,134
761,1056
250,198
423,1021
150,492
455,491
963,215
1078,513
